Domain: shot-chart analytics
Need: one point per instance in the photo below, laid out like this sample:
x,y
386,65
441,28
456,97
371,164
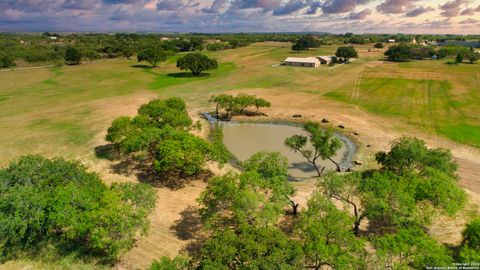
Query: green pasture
x,y
447,105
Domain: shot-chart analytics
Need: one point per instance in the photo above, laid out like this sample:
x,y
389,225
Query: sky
x,y
215,16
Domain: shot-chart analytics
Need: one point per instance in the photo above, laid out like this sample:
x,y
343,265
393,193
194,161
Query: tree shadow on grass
x,y
189,227
143,170
107,151
142,66
187,75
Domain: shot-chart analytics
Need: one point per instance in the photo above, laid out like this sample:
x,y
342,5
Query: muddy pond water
x,y
246,139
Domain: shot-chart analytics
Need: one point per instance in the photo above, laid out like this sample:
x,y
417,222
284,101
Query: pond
x,y
246,139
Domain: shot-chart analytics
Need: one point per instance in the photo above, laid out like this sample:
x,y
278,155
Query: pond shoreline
x,y
351,144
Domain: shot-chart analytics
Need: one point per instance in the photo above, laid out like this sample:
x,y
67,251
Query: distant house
x,y
53,38
312,62
391,41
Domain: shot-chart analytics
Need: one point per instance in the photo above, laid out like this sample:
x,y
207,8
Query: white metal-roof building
x,y
302,62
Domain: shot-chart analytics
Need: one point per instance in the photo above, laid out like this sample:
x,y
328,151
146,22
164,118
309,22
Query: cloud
x,y
216,6
12,14
81,4
30,5
290,7
313,8
263,4
468,11
169,5
122,2
452,8
478,8
360,15
341,6
469,21
418,11
396,6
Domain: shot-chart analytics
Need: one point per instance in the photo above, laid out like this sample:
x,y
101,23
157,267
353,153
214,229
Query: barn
x,y
312,62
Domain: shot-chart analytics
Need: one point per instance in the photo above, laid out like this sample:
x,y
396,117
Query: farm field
x,y
65,111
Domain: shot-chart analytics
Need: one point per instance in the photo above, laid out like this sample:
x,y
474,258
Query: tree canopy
x,y
196,63
152,54
327,237
251,247
73,56
470,250
161,132
410,248
305,42
53,201
346,52
407,154
324,145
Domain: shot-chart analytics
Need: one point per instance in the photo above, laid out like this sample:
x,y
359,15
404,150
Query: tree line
x,y
50,48
406,52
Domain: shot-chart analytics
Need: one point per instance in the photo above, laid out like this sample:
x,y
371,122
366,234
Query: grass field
x,y
431,95
65,111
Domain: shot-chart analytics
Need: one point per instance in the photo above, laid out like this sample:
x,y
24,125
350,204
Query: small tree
x,y
473,57
260,102
242,101
378,45
152,55
73,56
7,61
223,101
196,63
324,143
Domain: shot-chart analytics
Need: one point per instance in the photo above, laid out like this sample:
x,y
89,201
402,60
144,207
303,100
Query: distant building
x,y
53,38
312,62
325,60
391,41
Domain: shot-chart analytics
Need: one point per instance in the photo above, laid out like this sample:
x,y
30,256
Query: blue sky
x,y
336,16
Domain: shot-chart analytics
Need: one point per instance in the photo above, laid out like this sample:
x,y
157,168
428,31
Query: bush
x,y
73,56
53,201
7,61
